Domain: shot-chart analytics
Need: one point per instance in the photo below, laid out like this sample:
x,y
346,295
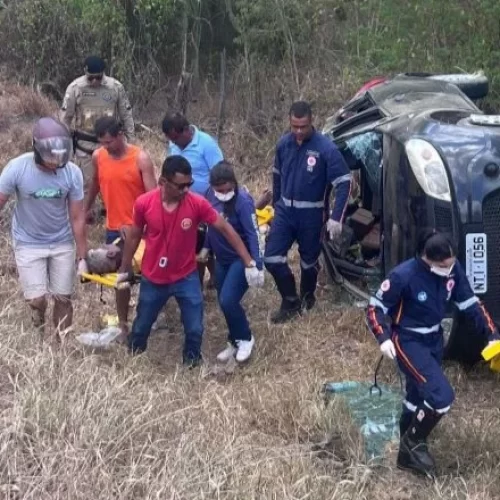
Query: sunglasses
x,y
182,186
91,78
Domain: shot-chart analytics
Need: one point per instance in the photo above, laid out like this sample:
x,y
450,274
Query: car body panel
x,y
437,112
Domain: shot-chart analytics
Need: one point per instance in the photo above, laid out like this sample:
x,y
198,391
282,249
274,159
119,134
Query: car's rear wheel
x,y
474,86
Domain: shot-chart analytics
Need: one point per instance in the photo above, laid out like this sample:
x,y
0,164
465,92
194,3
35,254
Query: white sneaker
x,y
244,349
227,353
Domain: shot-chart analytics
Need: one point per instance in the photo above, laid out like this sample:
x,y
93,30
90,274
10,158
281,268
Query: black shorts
x,y
200,240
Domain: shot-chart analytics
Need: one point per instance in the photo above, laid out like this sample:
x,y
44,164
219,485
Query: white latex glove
x,y
203,255
388,349
254,277
334,228
82,267
122,280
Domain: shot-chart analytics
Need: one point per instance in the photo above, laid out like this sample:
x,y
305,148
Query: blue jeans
x,y
152,298
112,236
231,285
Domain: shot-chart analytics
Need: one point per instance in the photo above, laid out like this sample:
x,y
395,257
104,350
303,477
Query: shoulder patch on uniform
x,y
385,286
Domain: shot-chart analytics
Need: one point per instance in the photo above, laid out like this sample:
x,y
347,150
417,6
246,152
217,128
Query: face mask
x,y
224,197
441,271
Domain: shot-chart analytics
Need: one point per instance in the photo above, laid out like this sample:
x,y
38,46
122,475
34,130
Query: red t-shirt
x,y
170,237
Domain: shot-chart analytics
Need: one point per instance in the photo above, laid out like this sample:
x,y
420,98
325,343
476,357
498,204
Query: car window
x,y
366,151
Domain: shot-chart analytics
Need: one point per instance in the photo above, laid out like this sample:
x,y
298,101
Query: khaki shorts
x,y
46,270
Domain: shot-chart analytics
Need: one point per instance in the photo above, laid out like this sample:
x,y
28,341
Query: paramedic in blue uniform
x,y
405,316
307,165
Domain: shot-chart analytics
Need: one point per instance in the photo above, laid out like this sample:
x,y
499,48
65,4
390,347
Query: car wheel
x,y
462,342
473,85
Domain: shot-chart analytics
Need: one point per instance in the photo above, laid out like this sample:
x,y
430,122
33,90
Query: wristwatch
x,y
251,264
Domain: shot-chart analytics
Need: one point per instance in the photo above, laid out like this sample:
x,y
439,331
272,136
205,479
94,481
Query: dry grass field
x,y
82,424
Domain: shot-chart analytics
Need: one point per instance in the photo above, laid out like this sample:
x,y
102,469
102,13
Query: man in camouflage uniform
x,y
88,98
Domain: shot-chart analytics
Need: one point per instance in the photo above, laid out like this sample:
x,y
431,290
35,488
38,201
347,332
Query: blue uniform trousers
x,y
419,358
301,225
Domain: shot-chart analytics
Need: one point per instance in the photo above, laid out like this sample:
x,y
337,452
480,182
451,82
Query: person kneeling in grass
x,y
238,208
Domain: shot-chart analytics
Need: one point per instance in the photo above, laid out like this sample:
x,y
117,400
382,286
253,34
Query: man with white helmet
x,y
48,226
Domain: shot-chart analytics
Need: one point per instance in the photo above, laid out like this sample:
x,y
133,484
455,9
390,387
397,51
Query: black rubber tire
x,y
473,86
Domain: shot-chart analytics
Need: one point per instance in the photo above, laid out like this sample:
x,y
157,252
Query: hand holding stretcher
x,y
104,262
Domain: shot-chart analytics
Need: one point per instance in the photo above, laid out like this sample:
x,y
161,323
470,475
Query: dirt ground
x,y
84,424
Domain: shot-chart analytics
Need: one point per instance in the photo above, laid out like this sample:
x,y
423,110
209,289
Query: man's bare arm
x,y
147,170
132,241
77,220
233,239
94,188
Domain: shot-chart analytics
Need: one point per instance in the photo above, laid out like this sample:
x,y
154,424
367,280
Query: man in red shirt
x,y
168,218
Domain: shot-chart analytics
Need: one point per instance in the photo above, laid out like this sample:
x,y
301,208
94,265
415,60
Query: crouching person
x,y
405,316
168,218
232,279
48,220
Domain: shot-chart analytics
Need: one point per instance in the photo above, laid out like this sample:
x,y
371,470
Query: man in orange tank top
x,y
121,173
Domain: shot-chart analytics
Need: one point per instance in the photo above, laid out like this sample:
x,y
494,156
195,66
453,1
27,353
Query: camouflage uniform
x,y
86,104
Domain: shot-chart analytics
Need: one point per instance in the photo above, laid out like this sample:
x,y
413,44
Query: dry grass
x,y
82,424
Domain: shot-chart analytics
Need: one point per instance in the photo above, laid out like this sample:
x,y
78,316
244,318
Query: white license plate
x,y
476,262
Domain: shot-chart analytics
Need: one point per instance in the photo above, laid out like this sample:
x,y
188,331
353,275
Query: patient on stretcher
x,y
107,259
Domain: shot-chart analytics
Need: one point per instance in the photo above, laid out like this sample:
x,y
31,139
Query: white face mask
x,y
441,271
224,197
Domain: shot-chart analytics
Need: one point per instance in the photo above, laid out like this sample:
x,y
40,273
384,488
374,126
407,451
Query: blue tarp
x,y
376,415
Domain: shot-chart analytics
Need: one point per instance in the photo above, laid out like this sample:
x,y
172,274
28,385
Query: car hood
x,y
466,151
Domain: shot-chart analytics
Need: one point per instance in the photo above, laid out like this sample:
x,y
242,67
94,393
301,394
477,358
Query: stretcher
x,y
109,279
264,218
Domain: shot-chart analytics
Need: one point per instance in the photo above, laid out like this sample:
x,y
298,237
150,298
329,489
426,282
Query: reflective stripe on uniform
x,y
462,306
303,204
342,178
303,265
446,409
275,259
425,329
409,405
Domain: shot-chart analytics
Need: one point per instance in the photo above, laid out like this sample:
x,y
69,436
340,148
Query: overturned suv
x,y
423,155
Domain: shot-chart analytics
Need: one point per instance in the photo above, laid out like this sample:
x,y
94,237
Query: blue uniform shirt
x,y
202,153
244,222
304,175
414,299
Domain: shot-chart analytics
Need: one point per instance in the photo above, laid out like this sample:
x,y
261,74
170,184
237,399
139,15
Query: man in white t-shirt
x,y
48,220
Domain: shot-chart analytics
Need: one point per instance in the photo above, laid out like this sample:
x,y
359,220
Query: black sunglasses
x,y
182,186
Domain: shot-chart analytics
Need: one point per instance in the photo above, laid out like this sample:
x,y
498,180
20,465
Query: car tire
x,y
463,344
474,86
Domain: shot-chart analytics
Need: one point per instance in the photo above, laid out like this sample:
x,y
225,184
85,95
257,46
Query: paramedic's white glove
x,y
334,229
254,277
203,255
388,349
82,267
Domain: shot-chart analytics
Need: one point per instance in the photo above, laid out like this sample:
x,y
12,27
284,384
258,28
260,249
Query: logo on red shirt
x,y
186,223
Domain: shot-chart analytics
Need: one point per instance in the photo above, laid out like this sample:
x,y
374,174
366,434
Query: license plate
x,y
476,262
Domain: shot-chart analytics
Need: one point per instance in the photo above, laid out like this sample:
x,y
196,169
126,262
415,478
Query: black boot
x,y
308,300
288,310
404,422
308,282
413,453
290,302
